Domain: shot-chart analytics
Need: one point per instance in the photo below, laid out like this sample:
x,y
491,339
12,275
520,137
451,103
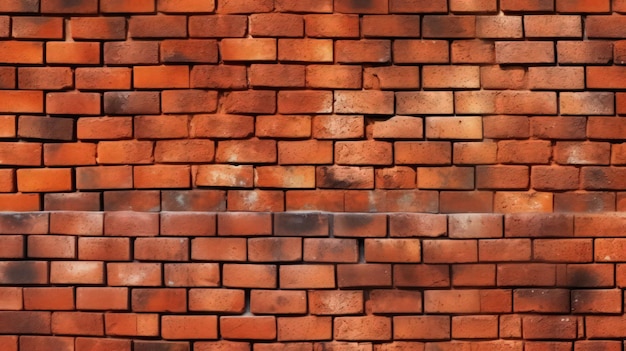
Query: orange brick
x,y
133,52
332,26
59,6
426,102
73,103
421,51
524,52
165,26
22,52
188,101
305,101
44,180
37,28
79,53
550,26
257,49
108,28
154,77
21,101
218,26
305,50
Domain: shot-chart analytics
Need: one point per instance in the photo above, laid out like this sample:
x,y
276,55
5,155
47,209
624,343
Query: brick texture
x,y
280,175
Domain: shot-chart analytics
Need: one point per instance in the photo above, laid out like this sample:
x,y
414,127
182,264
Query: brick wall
x,y
337,175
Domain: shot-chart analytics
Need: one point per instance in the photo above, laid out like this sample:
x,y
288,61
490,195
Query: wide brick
x,y
421,51
509,52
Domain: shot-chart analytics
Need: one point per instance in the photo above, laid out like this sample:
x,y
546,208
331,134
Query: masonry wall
x,y
280,175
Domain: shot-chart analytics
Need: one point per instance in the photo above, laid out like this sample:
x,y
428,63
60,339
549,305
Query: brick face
x,y
281,175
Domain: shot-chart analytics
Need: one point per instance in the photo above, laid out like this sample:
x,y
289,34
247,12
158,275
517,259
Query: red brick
x,y
44,180
278,302
392,250
166,26
338,127
37,28
550,26
217,300
503,77
423,153
426,102
248,327
193,200
304,328
475,327
100,344
188,101
220,126
131,52
102,298
307,277
257,49
159,300
499,27
332,26
185,6
395,178
59,6
421,327
104,249
106,177
369,50
78,53
182,223
132,200
584,202
131,324
330,250
421,275
108,28
473,51
555,327
305,101
604,26
276,25
20,6
51,246
590,52
21,101
362,328
554,178
44,342
270,75
134,274
120,6
189,327
23,52
196,51
249,276
449,27
161,176
305,50
524,52
251,101
13,246
104,128
391,26
418,51
526,274
218,26
556,78
73,272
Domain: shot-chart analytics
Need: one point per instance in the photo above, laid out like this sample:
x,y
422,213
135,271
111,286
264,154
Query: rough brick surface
x,y
281,175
